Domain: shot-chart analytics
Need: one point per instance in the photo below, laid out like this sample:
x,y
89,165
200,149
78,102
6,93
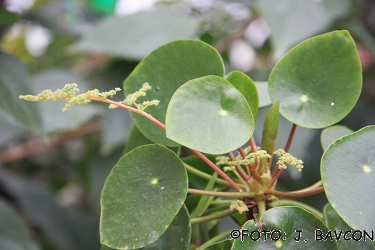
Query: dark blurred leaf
x,y
61,229
135,36
9,128
14,81
14,234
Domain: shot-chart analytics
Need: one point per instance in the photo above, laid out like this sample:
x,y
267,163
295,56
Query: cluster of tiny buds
x,y
284,160
70,93
287,159
239,205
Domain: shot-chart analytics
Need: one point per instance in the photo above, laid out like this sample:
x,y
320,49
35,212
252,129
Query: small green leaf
x,y
271,124
141,196
14,234
210,115
14,81
333,133
247,87
140,34
290,228
177,235
166,69
319,81
339,228
348,175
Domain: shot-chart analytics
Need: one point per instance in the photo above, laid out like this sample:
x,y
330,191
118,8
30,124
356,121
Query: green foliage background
x,y
50,196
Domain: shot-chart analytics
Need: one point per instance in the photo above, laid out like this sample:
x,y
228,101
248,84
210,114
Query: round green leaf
x,y
348,175
247,87
319,81
333,133
338,227
290,228
210,115
166,69
141,196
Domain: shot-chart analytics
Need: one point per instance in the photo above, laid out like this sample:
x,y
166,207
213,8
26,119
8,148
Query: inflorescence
x,y
70,93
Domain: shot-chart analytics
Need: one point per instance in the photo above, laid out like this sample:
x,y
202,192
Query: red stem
x,y
238,167
217,169
276,172
161,125
251,166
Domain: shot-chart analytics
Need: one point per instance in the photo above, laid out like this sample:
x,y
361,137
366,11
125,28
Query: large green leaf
x,y
14,81
348,175
319,81
210,115
141,196
340,232
166,69
290,228
333,133
136,35
14,234
292,21
247,87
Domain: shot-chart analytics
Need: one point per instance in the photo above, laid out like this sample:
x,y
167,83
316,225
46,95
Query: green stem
x,y
215,239
312,210
221,202
297,194
222,194
206,176
261,204
213,216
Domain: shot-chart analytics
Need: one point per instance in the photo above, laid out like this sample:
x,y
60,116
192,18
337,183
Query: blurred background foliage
x,y
53,164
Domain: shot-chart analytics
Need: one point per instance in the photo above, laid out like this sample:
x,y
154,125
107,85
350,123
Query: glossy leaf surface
x,y
141,196
224,245
166,69
210,115
135,36
318,82
177,235
14,81
285,220
341,232
333,133
348,175
247,87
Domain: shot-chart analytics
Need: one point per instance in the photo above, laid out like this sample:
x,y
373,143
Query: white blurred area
x,y
241,53
128,7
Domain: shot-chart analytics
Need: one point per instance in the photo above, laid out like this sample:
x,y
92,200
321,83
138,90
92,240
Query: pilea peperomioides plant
x,y
179,96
